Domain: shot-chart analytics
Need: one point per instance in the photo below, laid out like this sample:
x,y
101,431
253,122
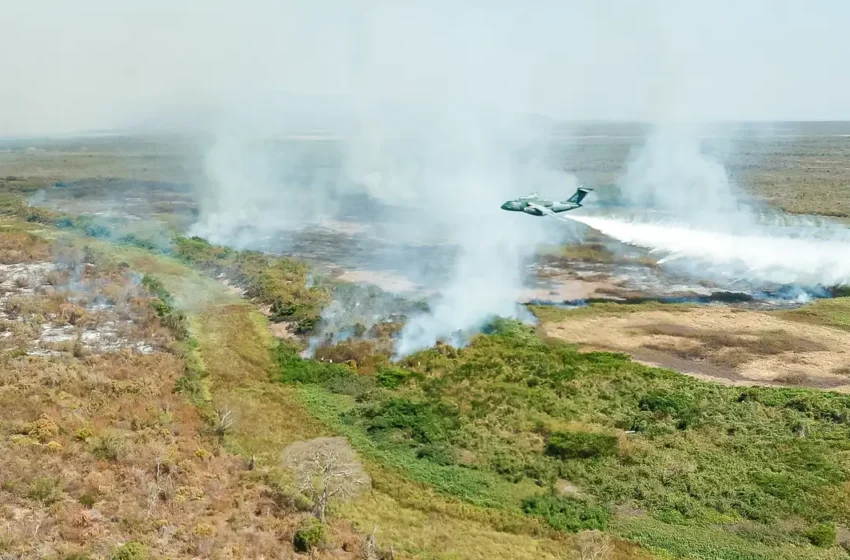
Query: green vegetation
x,y
510,421
278,282
580,445
822,535
566,514
552,314
310,535
132,550
830,312
165,309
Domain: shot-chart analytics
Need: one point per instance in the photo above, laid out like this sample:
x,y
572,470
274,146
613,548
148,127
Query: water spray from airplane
x,y
768,254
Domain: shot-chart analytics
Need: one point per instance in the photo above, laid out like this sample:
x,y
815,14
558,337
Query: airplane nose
x,y
506,206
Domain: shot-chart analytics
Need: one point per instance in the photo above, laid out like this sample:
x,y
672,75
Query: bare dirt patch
x,y
733,346
49,309
283,330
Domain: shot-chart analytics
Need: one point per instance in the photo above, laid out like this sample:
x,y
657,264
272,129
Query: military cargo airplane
x,y
536,206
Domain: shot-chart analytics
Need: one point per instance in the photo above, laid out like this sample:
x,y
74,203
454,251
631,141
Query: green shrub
x,y
679,406
109,446
424,422
580,445
310,535
392,377
156,288
133,550
294,369
565,514
436,453
822,535
88,500
45,489
353,385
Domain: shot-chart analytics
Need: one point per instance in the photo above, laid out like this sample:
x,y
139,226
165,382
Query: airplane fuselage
x,y
536,206
526,206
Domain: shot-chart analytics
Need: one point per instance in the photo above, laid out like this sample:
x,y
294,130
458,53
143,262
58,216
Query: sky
x,y
92,64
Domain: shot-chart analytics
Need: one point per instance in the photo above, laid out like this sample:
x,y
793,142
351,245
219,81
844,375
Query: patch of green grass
x,y
716,542
567,514
552,314
829,312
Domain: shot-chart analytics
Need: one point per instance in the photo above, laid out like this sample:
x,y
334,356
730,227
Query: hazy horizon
x,y
100,65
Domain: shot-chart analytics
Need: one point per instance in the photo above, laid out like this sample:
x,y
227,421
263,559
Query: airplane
x,y
536,206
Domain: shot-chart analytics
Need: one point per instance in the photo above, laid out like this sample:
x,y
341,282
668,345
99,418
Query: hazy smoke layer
x,y
420,176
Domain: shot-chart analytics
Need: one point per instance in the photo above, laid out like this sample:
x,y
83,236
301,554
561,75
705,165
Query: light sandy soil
x,y
720,344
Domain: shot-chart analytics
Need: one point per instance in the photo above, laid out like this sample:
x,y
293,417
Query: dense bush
x,y
310,535
822,535
565,514
392,377
163,305
294,369
580,445
132,550
424,422
513,411
279,282
679,406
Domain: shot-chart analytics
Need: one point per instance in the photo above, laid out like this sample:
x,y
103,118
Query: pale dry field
x,y
718,343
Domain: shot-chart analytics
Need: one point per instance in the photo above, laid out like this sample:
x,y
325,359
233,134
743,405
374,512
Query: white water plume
x,y
805,255
685,207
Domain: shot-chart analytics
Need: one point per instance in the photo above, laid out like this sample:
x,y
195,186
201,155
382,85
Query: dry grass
x,y
793,378
98,449
843,370
20,247
731,346
729,349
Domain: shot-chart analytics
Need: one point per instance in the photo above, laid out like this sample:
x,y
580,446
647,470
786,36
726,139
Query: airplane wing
x,y
542,209
547,212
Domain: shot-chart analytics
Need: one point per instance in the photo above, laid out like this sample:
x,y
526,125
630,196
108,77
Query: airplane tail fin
x,y
579,195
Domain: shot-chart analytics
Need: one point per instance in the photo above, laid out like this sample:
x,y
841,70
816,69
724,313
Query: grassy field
x,y
105,450
527,426
796,167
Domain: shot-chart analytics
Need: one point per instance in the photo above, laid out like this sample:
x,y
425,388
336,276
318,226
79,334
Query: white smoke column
x,y
457,170
487,275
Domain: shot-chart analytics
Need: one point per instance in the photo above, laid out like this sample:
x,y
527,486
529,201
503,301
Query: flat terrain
x,y
727,345
152,384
